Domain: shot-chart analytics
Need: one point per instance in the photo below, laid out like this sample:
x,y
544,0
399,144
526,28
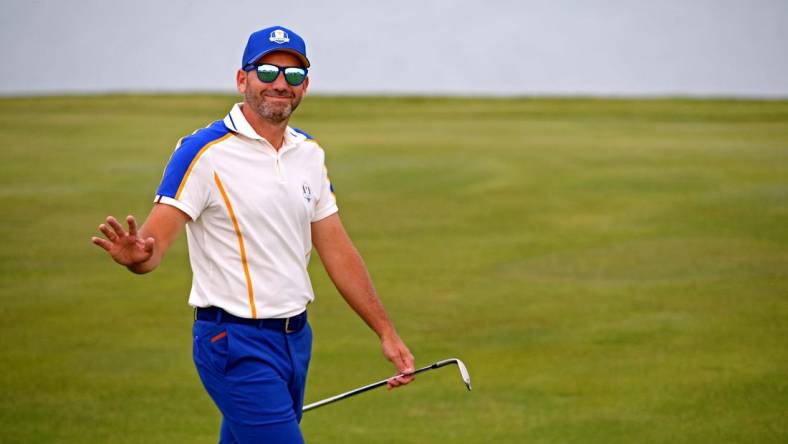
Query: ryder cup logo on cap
x,y
279,36
275,38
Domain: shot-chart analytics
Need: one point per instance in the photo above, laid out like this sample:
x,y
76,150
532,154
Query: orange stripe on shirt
x,y
240,243
194,162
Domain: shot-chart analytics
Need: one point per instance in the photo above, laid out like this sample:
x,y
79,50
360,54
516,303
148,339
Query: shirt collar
x,y
236,121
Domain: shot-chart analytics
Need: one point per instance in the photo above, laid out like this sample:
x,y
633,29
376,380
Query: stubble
x,y
274,111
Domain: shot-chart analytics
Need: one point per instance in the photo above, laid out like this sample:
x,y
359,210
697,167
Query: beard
x,y
273,111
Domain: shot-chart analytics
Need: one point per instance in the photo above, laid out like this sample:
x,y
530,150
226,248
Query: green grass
x,y
611,271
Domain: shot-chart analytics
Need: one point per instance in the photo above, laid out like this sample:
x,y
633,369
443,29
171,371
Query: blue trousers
x,y
256,376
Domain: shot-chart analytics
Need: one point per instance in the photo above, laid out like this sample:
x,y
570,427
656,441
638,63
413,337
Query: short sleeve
x,y
186,182
326,201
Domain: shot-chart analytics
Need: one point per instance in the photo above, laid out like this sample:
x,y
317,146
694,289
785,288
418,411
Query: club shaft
x,y
365,388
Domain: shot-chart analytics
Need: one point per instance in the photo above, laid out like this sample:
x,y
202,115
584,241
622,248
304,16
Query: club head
x,y
466,377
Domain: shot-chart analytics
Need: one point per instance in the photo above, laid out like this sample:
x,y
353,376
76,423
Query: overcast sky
x,y
581,47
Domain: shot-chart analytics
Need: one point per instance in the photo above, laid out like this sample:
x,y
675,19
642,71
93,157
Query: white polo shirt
x,y
251,210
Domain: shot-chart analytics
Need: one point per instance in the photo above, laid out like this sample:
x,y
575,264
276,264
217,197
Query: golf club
x,y
466,378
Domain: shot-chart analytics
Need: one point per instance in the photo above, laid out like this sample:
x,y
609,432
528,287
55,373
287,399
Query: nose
x,y
280,83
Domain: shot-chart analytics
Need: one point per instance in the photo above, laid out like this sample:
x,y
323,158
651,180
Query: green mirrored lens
x,y
295,76
267,73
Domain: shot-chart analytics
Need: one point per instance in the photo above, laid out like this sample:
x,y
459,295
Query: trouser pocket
x,y
211,345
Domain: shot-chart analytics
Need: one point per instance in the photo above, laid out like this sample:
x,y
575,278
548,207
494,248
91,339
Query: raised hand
x,y
126,248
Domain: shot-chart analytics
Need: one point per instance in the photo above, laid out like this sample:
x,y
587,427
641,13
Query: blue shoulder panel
x,y
185,153
299,131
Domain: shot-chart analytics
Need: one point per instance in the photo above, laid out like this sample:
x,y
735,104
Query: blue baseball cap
x,y
275,38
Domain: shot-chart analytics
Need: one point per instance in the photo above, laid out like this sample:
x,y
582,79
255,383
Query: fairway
x,y
610,271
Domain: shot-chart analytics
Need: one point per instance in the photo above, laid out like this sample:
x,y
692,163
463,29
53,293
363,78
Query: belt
x,y
285,325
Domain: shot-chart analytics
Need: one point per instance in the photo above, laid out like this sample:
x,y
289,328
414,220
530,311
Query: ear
x,y
240,81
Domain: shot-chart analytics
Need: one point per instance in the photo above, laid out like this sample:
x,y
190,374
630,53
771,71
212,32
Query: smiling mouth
x,y
272,96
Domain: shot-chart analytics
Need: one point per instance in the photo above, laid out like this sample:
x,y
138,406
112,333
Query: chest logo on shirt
x,y
307,192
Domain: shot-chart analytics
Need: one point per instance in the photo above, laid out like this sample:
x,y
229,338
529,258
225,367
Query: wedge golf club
x,y
466,378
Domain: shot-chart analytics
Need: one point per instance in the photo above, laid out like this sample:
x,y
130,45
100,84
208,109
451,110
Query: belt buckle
x,y
287,326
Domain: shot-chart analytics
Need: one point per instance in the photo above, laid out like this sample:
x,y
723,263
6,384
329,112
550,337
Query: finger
x,y
406,379
406,361
107,232
406,376
148,247
132,225
103,243
116,226
400,379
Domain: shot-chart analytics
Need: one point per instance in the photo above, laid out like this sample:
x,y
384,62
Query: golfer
x,y
254,196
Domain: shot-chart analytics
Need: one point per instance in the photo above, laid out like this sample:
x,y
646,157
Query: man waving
x,y
255,197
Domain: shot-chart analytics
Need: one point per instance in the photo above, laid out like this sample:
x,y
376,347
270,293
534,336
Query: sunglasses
x,y
267,73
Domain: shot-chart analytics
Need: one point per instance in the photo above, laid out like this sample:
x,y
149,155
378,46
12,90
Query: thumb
x,y
148,247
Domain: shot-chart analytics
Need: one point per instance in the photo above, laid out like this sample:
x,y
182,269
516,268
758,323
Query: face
x,y
275,101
